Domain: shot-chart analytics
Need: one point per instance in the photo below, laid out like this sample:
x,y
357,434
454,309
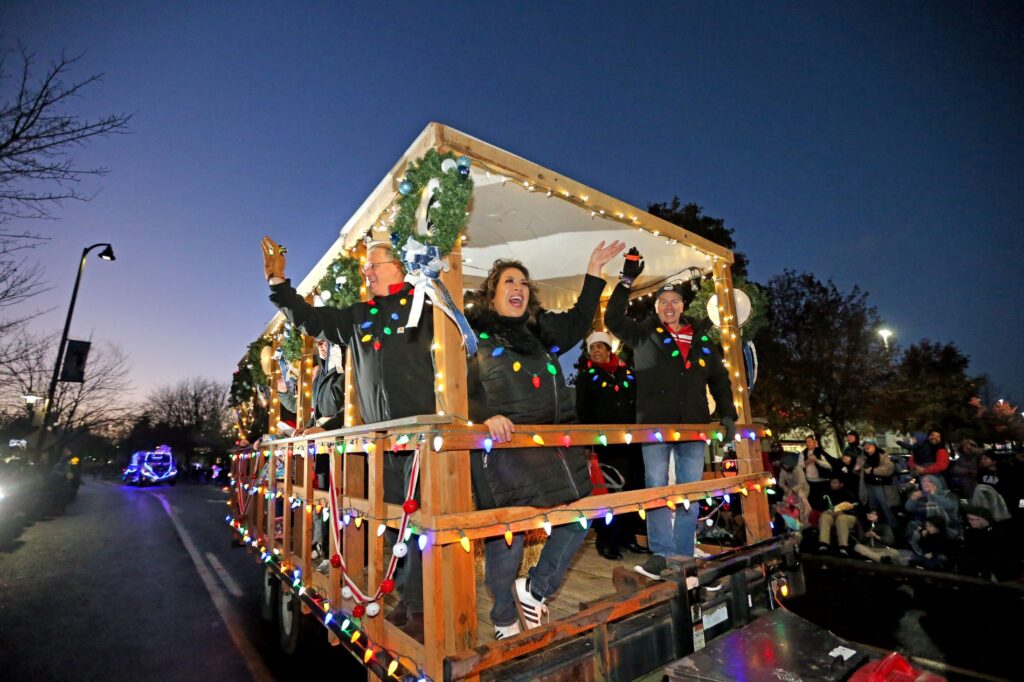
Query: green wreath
x,y
339,288
448,216
249,374
291,343
758,319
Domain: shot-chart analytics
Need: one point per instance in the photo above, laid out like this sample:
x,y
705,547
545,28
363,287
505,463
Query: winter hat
x,y
974,510
851,432
869,441
789,460
601,337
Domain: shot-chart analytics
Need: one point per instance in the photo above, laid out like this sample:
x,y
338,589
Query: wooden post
x,y
449,581
353,478
748,453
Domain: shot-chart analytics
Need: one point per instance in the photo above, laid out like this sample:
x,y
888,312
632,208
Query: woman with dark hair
x,y
515,378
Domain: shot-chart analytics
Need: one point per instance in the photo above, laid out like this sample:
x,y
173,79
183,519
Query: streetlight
x,y
105,254
885,334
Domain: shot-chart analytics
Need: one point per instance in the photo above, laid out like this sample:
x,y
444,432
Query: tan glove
x,y
273,258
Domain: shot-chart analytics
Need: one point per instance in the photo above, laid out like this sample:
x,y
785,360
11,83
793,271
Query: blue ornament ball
x,y
464,171
405,187
463,161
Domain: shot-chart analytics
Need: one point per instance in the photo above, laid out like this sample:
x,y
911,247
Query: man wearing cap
x,y
606,394
676,363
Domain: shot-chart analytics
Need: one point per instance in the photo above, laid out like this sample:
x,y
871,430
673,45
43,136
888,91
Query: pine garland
x,y
448,215
697,308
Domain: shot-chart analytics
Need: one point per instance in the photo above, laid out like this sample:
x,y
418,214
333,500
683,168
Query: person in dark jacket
x,y
606,394
393,367
515,378
327,414
676,364
988,550
880,492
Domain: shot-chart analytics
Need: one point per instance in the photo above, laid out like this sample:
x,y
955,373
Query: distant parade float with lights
x,y
450,207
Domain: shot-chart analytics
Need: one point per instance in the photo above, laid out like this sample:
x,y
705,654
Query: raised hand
x,y
632,268
601,255
273,258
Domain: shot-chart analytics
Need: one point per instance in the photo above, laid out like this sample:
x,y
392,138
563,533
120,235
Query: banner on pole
x,y
73,368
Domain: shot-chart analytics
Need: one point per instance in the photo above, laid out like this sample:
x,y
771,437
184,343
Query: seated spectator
x,y
932,500
879,491
841,503
930,456
989,498
875,541
794,484
817,467
989,472
932,545
988,549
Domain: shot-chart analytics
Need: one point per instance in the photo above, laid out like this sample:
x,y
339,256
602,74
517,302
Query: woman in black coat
x,y
515,378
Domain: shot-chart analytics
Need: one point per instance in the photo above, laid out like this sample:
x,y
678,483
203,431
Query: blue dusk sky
x,y
877,144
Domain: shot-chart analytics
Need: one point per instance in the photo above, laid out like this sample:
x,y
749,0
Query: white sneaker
x,y
506,631
324,567
699,553
534,612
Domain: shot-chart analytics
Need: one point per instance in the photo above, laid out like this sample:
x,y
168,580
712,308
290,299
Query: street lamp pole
x,y
106,254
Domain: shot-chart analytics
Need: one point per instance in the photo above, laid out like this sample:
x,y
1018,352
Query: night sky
x,y
878,144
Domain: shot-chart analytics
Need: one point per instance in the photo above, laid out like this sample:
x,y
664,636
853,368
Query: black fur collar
x,y
519,334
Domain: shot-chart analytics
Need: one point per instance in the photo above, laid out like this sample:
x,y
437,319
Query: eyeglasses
x,y
369,267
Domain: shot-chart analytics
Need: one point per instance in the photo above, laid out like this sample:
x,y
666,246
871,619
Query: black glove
x,y
633,267
729,424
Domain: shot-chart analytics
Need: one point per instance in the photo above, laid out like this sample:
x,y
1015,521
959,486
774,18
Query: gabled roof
x,y
523,210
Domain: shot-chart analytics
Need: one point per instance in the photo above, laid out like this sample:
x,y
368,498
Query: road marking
x,y
249,654
224,576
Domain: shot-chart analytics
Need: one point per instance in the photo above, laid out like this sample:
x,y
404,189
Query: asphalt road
x,y
142,584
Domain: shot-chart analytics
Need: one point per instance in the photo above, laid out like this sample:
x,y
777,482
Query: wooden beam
x,y
449,577
491,522
473,661
748,454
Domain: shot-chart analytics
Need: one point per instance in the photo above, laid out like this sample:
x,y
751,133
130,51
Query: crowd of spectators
x,y
960,512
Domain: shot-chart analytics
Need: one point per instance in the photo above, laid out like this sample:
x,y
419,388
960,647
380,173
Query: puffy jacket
x,y
515,373
394,368
671,388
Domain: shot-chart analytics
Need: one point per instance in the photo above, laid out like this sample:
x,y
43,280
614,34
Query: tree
x,y
190,416
931,390
97,405
37,134
826,364
690,217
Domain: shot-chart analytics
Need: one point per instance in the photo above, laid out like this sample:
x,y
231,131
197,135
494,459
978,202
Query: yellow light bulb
x,y
508,536
537,439
464,541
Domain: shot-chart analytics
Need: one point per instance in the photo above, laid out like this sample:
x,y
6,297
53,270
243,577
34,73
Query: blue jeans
x,y
502,568
689,457
878,500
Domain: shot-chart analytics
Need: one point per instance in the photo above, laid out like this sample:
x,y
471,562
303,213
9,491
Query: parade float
x,y
456,204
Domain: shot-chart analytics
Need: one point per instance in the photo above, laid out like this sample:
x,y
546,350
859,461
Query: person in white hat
x,y
606,394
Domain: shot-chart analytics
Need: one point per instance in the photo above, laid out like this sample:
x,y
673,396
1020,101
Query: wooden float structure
x,y
519,209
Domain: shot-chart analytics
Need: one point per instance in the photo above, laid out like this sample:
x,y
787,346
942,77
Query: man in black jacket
x,y
676,363
393,367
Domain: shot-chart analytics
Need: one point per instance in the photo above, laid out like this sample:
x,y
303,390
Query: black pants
x,y
629,461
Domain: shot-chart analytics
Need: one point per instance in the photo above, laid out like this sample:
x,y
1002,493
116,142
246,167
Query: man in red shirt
x,y
929,457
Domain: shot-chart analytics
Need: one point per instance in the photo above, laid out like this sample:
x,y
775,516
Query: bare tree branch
x,y
37,134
